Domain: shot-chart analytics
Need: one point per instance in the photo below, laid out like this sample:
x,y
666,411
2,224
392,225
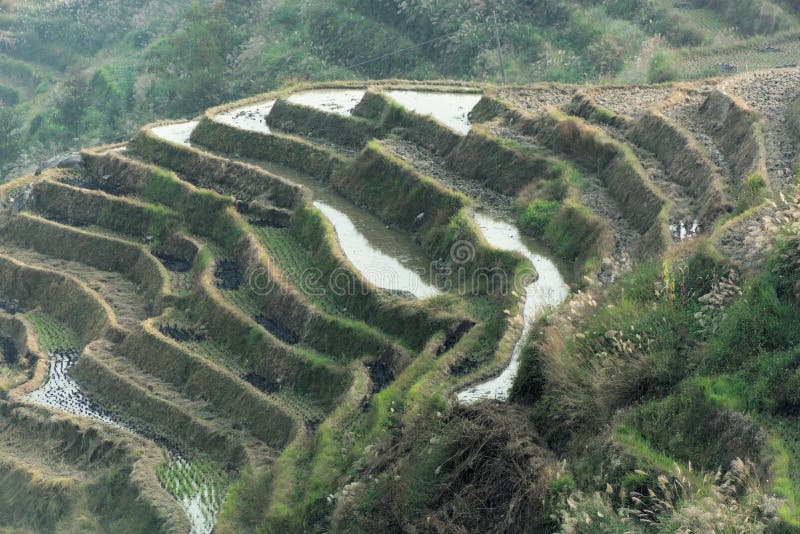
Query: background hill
x,y
77,72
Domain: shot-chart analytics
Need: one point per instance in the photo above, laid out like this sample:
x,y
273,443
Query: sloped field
x,y
189,304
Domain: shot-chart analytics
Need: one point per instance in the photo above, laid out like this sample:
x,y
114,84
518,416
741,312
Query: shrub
x,y
191,63
339,33
10,139
772,383
750,16
678,30
537,216
691,427
8,95
787,268
752,193
761,321
662,68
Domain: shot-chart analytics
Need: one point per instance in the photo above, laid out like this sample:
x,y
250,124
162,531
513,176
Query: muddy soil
x,y
172,263
454,337
60,392
537,99
770,93
8,351
228,275
252,118
630,101
280,332
381,375
267,386
10,306
686,114
181,335
433,166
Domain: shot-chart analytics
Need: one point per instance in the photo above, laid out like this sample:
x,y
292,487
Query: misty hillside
x,y
75,72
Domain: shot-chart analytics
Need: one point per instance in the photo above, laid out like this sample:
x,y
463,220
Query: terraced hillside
x,y
284,314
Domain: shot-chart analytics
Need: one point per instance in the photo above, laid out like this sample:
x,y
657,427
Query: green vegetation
x,y
195,481
74,73
571,231
47,487
701,365
662,400
51,334
663,68
752,194
538,216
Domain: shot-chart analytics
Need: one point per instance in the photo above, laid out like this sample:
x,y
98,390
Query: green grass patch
x,y
203,482
571,231
538,216
753,192
52,334
296,260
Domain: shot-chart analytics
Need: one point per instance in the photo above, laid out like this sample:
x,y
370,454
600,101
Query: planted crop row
x,y
298,265
52,334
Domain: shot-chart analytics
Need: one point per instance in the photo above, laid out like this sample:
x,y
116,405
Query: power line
x,y
165,105
400,51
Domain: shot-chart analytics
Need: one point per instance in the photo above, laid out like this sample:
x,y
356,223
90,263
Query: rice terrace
x,y
387,305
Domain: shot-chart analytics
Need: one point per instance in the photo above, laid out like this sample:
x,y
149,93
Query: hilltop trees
x,y
191,64
9,133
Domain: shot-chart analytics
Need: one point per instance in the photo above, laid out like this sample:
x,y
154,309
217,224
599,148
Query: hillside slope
x,y
197,309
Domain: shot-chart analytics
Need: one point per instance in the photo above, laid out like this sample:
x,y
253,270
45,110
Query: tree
x,y
9,134
107,97
192,63
72,102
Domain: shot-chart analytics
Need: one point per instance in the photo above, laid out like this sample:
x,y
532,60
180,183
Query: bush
x,y
191,63
691,427
773,383
678,29
662,68
787,268
537,216
8,96
346,37
762,321
750,16
10,138
752,193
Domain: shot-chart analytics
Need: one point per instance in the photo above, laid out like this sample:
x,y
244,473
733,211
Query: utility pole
x,y
499,47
